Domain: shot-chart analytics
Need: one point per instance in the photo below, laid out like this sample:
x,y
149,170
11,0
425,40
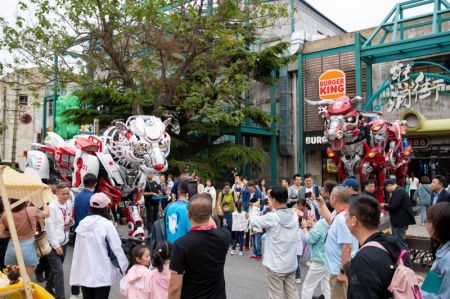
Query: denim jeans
x,y
256,240
423,213
298,272
400,234
238,237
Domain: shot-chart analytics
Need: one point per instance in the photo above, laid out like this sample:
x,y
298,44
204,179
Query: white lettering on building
x,y
316,140
404,88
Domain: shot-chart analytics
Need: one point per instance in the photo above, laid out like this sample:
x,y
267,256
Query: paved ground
x,y
244,278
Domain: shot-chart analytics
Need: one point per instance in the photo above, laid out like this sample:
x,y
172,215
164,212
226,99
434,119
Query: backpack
x,y
404,283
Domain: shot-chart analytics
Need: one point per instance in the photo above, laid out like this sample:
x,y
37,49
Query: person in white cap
x,y
98,257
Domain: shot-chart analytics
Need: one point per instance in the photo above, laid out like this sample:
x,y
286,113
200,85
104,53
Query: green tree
x,y
190,60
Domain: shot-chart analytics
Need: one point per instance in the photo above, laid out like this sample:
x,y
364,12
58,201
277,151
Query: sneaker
x,y
252,256
233,252
258,258
246,248
79,296
241,253
298,280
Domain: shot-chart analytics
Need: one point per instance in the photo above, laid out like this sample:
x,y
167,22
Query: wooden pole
x,y
14,237
15,128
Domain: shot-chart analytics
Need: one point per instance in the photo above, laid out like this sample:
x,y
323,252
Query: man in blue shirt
x,y
184,177
81,210
340,244
176,216
250,192
81,205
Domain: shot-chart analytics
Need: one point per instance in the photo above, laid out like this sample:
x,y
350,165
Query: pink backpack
x,y
404,283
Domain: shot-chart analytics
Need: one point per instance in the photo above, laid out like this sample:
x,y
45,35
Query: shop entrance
x,y
431,161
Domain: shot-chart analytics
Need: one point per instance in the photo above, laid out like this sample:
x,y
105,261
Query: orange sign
x,y
332,85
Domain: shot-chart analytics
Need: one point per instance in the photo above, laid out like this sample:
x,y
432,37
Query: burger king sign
x,y
332,85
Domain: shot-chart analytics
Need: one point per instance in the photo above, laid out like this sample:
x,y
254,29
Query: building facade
x,y
22,97
305,23
400,68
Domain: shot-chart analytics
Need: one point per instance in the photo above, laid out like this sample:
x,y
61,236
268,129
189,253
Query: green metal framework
x,y
390,41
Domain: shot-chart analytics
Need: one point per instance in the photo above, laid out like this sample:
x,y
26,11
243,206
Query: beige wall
x,y
26,133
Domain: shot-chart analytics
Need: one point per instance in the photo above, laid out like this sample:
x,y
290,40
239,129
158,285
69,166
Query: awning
x,y
26,186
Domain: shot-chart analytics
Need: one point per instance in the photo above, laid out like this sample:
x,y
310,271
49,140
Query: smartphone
x,y
192,187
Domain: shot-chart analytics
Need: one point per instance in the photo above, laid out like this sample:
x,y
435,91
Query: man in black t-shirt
x,y
151,189
198,258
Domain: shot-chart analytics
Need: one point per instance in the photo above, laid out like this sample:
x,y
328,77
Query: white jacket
x,y
212,191
256,212
280,247
60,215
91,266
240,223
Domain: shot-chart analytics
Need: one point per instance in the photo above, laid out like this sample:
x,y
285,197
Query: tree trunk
x,y
136,108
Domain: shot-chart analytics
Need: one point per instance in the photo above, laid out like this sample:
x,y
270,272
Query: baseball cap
x,y
351,182
99,200
53,181
389,182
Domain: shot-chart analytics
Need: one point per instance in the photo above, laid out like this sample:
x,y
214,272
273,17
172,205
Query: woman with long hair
x,y
437,282
25,219
98,257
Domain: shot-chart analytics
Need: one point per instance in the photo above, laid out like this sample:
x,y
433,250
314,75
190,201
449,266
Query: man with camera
x,y
310,192
294,190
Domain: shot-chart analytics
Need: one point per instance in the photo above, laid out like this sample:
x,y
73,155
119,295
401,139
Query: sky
x,y
351,15
354,15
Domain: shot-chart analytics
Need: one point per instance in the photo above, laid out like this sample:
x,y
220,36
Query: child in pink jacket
x,y
158,284
142,283
134,283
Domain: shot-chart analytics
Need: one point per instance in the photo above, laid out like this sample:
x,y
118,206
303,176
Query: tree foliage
x,y
190,60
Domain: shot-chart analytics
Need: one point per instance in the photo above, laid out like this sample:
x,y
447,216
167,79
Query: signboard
x,y
418,142
405,87
332,85
315,140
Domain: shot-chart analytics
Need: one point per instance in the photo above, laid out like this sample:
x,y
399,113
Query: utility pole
x,y
5,106
15,128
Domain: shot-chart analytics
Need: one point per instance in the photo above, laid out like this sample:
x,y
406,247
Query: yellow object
x,y
417,124
26,185
16,291
23,187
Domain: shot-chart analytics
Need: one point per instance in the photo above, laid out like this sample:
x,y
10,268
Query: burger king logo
x,y
332,85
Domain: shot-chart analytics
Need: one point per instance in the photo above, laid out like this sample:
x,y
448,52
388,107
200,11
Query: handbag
x,y
43,248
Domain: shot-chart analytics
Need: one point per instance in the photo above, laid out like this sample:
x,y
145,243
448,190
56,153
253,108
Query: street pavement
x,y
244,278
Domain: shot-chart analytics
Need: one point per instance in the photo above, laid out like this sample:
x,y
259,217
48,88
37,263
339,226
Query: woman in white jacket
x,y
98,257
212,191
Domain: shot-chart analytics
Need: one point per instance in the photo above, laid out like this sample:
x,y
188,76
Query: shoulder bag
x,y
43,248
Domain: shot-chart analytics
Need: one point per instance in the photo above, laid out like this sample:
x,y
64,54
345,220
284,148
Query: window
x,y
50,108
23,100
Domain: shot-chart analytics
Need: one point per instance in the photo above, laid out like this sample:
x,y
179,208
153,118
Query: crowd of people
x,y
333,229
